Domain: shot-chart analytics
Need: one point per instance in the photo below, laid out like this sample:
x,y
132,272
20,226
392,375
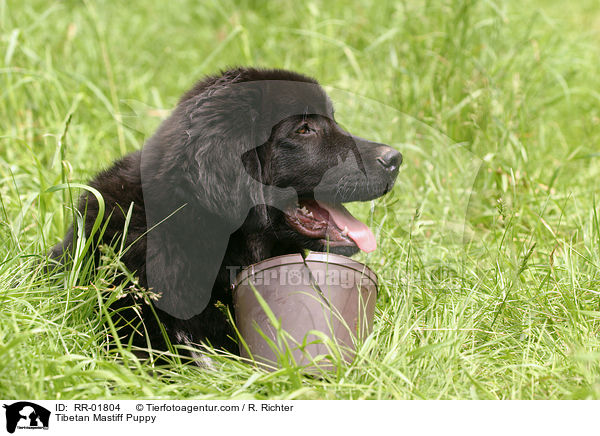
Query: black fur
x,y
196,147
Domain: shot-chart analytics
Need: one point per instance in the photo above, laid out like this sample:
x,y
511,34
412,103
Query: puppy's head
x,y
259,146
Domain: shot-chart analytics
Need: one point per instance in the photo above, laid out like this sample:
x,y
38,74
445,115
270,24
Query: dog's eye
x,y
304,129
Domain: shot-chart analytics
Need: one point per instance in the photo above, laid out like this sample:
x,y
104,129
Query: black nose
x,y
390,159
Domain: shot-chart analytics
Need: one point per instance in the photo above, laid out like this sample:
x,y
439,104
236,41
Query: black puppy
x,y
251,164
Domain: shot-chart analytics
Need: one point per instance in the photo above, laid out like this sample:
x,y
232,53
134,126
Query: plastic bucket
x,y
304,310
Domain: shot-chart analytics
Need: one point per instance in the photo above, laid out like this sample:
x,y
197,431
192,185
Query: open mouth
x,y
332,224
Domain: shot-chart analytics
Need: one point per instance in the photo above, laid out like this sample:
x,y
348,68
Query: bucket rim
x,y
295,258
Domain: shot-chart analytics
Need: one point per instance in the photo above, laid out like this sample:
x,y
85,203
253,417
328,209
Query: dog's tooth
x,y
309,214
345,232
304,210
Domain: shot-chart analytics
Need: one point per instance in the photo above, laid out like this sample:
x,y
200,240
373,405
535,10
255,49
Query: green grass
x,y
489,246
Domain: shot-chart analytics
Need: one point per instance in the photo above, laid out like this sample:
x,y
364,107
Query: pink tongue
x,y
358,231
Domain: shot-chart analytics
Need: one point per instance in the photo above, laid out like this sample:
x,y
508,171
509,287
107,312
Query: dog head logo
x,y
26,415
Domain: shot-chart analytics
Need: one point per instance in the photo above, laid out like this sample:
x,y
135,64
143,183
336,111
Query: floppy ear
x,y
193,200
197,193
